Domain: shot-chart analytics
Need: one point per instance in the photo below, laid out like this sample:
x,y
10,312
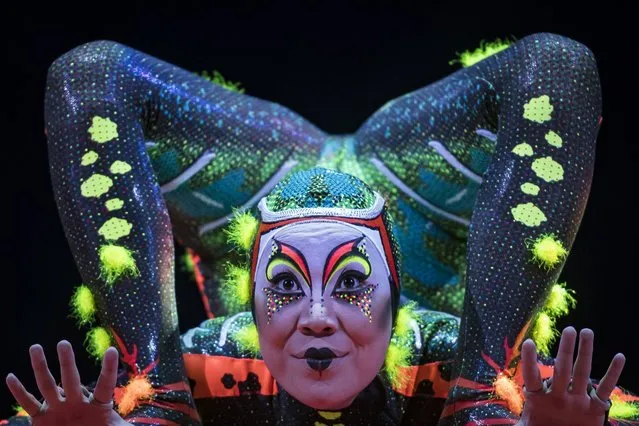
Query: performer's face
x,y
323,311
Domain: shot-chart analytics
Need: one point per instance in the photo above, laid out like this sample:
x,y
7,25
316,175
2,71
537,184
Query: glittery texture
x,y
276,301
361,299
196,151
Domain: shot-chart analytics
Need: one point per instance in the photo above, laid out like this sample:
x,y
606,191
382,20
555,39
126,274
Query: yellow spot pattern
x,y
554,139
96,185
538,109
548,169
120,167
103,130
114,204
115,228
523,150
530,188
89,158
528,214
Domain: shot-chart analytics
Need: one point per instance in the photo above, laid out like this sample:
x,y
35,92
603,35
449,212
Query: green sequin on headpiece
x,y
320,187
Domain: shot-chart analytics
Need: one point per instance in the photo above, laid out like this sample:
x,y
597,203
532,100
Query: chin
x,y
319,401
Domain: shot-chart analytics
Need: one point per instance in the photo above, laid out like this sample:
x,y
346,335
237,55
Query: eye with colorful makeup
x,y
351,261
285,283
350,281
284,266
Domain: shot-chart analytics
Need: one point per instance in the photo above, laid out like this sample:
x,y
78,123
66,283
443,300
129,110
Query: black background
x,y
335,65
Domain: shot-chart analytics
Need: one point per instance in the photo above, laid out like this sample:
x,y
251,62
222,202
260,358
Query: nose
x,y
317,322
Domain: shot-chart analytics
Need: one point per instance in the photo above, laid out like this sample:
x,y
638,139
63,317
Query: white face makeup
x,y
323,310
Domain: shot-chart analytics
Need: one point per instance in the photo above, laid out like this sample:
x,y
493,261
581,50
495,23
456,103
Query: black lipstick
x,y
319,359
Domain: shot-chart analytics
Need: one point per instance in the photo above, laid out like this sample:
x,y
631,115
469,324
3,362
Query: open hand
x,y
71,405
568,400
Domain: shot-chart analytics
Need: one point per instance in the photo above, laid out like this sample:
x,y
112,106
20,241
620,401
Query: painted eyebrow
x,y
289,256
340,253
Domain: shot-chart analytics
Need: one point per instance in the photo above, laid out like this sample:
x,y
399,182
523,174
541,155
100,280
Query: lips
x,y
319,359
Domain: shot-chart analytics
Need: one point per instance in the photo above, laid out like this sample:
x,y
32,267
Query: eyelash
x,y
279,278
351,274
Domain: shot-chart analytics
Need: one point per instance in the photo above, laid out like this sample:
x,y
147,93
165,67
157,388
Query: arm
x,y
133,139
548,111
502,154
116,221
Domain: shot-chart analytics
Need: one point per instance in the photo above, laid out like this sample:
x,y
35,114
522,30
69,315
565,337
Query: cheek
x,y
275,322
385,313
362,300
368,320
275,303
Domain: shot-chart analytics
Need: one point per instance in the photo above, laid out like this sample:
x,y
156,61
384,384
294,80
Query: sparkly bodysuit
x,y
475,168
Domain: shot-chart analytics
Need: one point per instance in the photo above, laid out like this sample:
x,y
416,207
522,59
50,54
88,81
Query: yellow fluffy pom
x,y
548,251
621,409
235,289
137,390
509,391
98,341
544,333
83,305
485,50
242,229
405,316
397,357
248,340
560,300
116,261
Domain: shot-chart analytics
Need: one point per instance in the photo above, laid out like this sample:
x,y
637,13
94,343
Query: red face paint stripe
x,y
334,257
298,260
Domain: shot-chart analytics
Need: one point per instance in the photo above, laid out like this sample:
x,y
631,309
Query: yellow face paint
x,y
96,185
554,139
89,158
351,259
523,150
115,228
120,167
538,109
548,169
530,188
528,214
103,130
280,261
